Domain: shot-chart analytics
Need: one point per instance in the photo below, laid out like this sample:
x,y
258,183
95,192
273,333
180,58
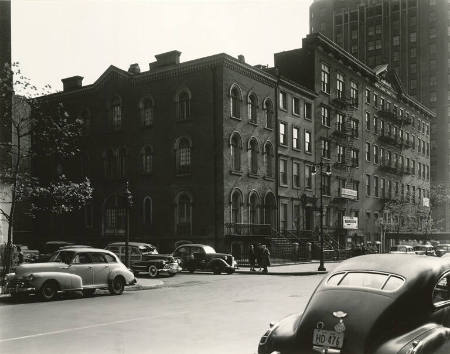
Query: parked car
x,y
385,303
202,257
427,250
51,247
144,258
442,249
402,249
71,269
29,256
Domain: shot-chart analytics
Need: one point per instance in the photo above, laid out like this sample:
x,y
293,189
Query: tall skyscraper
x,y
412,36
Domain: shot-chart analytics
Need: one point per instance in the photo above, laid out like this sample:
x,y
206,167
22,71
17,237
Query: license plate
x,y
328,338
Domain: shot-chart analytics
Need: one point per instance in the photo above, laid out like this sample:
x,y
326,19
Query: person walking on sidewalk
x,y
265,258
259,254
252,257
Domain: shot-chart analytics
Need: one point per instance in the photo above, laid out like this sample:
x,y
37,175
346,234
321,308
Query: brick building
x,y
372,137
413,38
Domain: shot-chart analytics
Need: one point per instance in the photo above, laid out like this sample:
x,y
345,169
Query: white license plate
x,y
328,338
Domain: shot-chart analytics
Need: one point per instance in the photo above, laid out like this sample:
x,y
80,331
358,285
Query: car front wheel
x,y
152,271
117,286
49,291
217,269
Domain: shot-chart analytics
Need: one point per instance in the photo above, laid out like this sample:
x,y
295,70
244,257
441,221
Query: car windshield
x,y
366,280
147,249
62,256
209,249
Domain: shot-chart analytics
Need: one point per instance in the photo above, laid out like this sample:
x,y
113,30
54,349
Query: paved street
x,y
191,313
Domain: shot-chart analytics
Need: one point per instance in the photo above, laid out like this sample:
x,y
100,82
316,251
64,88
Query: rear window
x,y
377,281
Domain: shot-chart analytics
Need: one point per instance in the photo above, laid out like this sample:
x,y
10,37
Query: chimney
x,y
166,59
241,58
72,83
134,69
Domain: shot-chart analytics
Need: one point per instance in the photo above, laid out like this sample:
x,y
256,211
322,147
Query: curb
x,y
138,287
316,272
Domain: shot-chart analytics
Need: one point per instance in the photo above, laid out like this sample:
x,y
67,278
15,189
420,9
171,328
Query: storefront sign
x,y
349,193
350,222
426,202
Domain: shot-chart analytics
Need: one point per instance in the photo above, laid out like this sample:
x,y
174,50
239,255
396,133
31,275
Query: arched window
x,y
109,163
236,151
268,154
236,205
235,98
114,215
183,156
270,209
116,113
254,149
121,162
146,112
253,208
147,159
268,113
147,211
183,220
252,108
184,107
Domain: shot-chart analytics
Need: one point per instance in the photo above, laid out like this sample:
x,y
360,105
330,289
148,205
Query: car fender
x,y
280,336
127,275
159,263
214,261
429,338
66,281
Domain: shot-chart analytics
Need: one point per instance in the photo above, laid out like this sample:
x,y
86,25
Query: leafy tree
x,y
40,127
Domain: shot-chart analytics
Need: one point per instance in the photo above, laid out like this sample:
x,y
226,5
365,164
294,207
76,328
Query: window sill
x,y
309,119
297,115
253,123
308,152
283,145
235,173
284,185
296,149
252,175
325,126
268,178
284,109
267,128
235,118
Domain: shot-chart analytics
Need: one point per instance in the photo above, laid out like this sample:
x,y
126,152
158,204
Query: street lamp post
x,y
129,203
328,172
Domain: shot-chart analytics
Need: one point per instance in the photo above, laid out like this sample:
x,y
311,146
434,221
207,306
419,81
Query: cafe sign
x,y
426,202
350,222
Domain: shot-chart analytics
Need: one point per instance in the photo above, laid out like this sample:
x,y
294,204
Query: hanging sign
x,y
350,222
349,193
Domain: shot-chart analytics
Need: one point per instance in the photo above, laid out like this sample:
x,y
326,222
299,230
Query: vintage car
x,y
402,249
373,304
51,247
144,258
71,269
442,249
202,257
427,250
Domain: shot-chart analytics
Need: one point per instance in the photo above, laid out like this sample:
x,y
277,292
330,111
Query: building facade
x,y
413,38
372,139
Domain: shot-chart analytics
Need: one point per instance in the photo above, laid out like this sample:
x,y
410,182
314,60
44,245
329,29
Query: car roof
x,y
194,244
58,243
86,249
410,267
129,244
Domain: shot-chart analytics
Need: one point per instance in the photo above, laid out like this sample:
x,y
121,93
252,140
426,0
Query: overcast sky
x,y
53,39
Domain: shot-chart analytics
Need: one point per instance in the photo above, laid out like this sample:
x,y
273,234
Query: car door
x,y
184,253
199,257
100,268
82,266
441,300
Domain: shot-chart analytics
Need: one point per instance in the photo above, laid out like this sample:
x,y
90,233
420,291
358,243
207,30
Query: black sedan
x,y
372,304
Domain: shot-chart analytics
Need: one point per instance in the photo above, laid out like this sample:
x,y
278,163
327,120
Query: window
x,y
254,149
355,157
325,116
354,93
283,172
375,154
295,138
325,148
147,159
307,110
121,162
383,188
326,185
375,125
116,110
340,154
183,215
146,112
236,204
368,185
325,78
308,176
147,211
184,107
236,150
367,117
283,137
396,40
183,156
375,186
283,100
308,146
109,161
412,37
235,98
296,106
339,122
253,215
367,151
114,215
268,154
367,96
296,174
441,293
252,108
340,89
354,125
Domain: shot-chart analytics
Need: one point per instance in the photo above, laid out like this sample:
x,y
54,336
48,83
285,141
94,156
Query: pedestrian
x,y
265,259
252,257
19,255
258,254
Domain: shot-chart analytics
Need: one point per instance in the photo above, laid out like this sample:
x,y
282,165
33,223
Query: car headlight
x,y
29,277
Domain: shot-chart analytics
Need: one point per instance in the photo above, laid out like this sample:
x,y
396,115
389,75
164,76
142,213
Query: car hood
x,y
221,255
149,256
38,267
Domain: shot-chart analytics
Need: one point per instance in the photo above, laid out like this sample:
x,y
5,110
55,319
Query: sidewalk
x,y
305,268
